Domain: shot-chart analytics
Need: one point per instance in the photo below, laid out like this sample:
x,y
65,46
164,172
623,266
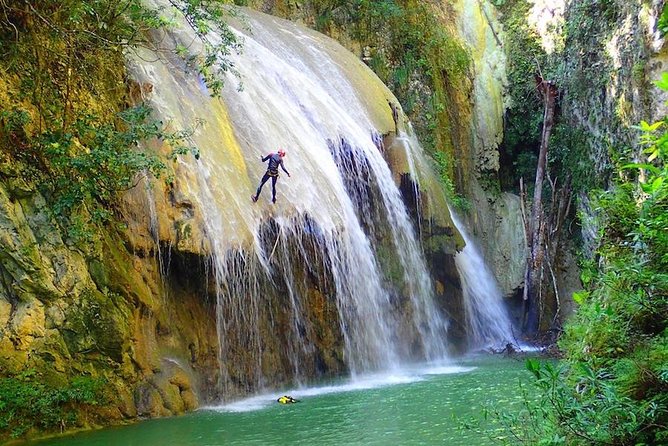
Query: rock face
x,y
495,217
482,32
104,313
611,90
137,313
506,244
141,307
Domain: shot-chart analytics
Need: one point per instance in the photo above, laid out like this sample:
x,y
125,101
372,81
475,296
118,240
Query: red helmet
x,y
281,152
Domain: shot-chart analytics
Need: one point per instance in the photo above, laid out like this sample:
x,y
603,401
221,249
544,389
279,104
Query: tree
x,y
535,226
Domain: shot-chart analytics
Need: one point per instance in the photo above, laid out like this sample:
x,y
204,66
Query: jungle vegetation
x,y
610,386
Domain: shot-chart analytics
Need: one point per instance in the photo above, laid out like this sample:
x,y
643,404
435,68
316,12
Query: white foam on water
x,y
529,348
359,383
447,370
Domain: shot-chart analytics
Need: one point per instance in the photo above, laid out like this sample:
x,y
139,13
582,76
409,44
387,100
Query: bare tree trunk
x,y
536,223
527,231
559,210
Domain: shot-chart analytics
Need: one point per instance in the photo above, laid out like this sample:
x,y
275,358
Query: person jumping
x,y
275,160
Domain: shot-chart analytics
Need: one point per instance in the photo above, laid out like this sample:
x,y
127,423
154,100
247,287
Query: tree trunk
x,y
536,232
559,210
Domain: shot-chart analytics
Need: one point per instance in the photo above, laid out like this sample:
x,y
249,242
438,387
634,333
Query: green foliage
x,y
580,405
612,387
662,25
84,170
576,75
110,165
424,47
83,34
580,296
205,16
61,123
569,158
27,403
442,164
524,119
588,27
638,71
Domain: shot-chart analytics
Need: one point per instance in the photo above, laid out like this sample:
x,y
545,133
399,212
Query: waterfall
x,y
163,258
487,321
486,316
339,212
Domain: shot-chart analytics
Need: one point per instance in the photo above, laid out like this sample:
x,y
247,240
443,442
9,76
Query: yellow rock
x,y
28,323
181,380
189,400
5,311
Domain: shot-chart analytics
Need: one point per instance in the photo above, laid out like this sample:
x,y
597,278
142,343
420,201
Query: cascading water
x,y
305,93
487,322
154,230
486,315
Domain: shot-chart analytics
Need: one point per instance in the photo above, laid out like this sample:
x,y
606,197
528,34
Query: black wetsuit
x,y
275,160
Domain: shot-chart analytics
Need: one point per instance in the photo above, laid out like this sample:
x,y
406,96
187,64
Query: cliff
x,y
183,292
602,57
451,83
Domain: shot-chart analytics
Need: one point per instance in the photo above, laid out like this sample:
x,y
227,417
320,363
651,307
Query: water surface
x,y
412,407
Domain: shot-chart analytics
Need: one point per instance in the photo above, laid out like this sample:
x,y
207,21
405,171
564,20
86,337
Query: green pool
x,y
419,406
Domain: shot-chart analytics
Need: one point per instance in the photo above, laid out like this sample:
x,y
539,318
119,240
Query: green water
x,y
414,407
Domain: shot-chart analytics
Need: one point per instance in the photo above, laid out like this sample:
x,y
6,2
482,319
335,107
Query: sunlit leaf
x,y
663,82
580,296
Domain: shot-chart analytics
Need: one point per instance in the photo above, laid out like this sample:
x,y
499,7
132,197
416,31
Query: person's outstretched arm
x,y
266,157
283,167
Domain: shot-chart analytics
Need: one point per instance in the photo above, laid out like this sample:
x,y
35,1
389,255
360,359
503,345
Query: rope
x,y
278,237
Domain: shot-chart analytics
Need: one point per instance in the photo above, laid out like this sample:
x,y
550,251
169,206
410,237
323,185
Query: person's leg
x,y
273,189
259,188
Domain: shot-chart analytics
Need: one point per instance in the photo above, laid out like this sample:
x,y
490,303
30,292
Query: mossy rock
x,y
99,273
148,401
97,323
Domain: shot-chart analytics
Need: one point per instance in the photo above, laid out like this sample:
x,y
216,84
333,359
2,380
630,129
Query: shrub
x,y
27,403
612,387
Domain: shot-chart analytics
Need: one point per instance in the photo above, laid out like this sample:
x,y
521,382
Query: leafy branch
x,y
64,122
